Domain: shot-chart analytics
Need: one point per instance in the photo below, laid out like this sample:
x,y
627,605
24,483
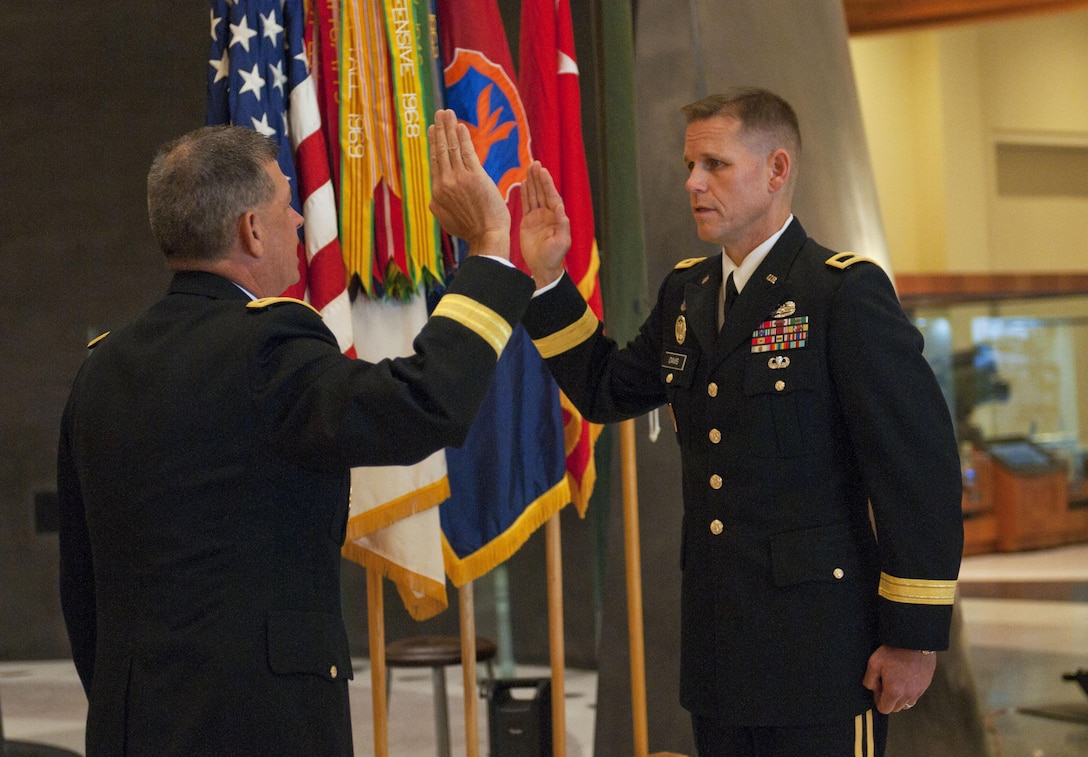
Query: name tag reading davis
x,y
674,361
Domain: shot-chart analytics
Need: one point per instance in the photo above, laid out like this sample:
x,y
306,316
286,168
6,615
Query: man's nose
x,y
695,182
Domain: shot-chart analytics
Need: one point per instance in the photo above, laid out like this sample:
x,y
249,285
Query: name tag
x,y
675,361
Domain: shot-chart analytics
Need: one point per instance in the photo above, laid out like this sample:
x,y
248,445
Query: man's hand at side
x,y
897,677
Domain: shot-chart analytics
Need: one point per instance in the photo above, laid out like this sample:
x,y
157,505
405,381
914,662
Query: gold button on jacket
x,y
716,527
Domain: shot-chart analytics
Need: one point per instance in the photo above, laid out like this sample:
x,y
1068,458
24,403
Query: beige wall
x,y
935,104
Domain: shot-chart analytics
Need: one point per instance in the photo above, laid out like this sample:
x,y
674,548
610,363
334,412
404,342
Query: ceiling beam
x,y
869,16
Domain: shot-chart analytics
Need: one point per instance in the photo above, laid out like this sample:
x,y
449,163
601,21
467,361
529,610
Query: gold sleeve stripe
x,y
96,340
864,739
569,337
266,301
485,322
917,591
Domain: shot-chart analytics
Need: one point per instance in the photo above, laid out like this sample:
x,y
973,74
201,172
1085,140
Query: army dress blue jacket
x,y
813,401
203,477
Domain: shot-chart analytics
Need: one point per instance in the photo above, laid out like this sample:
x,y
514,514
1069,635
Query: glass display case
x,y
1015,375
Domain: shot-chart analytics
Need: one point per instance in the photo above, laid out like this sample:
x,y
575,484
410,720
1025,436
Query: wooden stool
x,y
435,652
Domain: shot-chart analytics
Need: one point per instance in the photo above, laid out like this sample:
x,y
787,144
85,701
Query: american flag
x,y
249,72
258,76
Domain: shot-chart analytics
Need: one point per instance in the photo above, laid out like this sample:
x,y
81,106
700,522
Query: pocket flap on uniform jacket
x,y
824,553
308,642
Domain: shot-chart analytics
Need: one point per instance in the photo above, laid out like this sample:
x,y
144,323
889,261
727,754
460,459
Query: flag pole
x,y
633,558
554,552
376,626
468,667
634,587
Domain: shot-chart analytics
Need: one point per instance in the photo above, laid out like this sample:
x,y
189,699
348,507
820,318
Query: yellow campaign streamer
x,y
411,110
367,136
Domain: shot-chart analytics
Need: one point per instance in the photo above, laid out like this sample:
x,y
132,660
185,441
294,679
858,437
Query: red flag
x,y
509,476
553,103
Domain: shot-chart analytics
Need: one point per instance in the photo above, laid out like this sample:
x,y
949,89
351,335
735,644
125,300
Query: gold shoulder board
x,y
268,301
844,260
689,262
96,340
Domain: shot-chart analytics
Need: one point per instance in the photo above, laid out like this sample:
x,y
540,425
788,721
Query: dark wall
x,y
91,90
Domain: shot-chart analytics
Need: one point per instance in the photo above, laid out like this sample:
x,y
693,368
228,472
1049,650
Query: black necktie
x,y
730,296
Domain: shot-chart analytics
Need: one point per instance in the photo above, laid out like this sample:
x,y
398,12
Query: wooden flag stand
x,y
556,644
376,626
375,613
633,560
467,611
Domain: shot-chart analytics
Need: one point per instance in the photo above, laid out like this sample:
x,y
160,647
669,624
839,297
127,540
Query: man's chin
x,y
706,233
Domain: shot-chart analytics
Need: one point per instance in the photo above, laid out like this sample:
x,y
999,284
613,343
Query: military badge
x,y
780,334
786,309
681,329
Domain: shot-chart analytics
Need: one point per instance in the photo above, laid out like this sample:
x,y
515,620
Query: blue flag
x,y
510,475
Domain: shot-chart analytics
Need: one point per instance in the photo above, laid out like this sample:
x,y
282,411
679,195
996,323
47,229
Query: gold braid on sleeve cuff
x,y
917,591
568,337
477,317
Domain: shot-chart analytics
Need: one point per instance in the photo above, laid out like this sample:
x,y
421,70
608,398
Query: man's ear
x,y
779,165
249,235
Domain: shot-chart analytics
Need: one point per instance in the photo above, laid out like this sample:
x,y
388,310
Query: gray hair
x,y
200,184
763,115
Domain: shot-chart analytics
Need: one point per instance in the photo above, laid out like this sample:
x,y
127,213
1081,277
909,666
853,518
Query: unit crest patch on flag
x,y
499,128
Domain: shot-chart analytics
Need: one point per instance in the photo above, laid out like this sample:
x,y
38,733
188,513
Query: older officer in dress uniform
x,y
205,449
799,396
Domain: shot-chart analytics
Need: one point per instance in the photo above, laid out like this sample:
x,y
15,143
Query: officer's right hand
x,y
545,228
